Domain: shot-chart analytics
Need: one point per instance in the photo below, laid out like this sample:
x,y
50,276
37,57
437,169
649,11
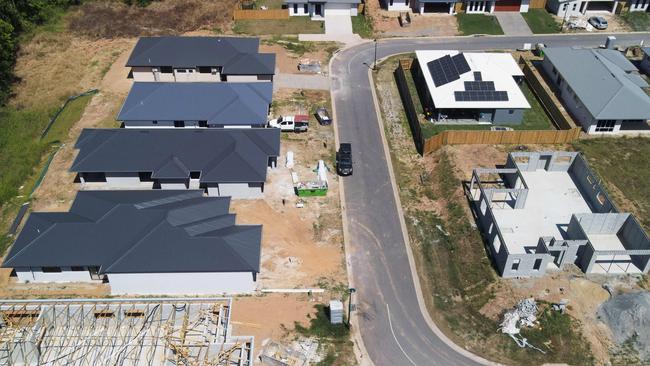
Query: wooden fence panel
x,y
537,4
499,138
270,14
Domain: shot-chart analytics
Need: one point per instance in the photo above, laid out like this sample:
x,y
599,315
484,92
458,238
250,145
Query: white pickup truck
x,y
297,123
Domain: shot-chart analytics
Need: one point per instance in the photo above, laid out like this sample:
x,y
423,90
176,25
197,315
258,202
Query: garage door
x,y
436,7
604,6
337,9
507,5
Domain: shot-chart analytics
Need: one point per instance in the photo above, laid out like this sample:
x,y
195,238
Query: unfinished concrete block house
x,y
222,162
479,87
190,105
141,243
601,89
179,59
545,210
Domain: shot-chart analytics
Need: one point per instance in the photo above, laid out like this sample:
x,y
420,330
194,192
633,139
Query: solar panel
x,y
460,62
479,85
478,76
443,71
481,96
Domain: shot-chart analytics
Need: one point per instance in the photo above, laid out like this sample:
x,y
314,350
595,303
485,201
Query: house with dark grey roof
x,y
321,8
141,243
200,59
222,162
601,89
198,104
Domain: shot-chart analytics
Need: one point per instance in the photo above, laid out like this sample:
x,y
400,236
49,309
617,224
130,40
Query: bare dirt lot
x,y
386,23
288,57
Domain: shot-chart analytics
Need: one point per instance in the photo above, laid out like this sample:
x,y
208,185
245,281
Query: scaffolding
x,y
138,332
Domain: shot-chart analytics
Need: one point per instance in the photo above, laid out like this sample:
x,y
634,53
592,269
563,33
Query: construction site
x,y
174,331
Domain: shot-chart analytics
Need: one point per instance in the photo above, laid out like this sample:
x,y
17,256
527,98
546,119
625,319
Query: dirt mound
x,y
114,19
628,317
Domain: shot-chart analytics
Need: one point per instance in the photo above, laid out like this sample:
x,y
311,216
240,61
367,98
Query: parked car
x,y
323,116
598,22
500,128
344,159
297,123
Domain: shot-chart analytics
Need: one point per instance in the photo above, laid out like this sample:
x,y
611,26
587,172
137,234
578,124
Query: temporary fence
x,y
56,115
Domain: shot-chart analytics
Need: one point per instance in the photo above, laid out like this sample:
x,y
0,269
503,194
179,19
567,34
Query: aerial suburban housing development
x,y
325,182
468,85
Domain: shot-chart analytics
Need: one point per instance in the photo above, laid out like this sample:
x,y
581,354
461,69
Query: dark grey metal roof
x,y
140,232
217,103
236,55
601,80
221,155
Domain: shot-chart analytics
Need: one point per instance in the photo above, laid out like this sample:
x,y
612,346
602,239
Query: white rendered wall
x,y
242,78
240,190
300,10
123,180
339,9
179,185
398,5
208,283
66,275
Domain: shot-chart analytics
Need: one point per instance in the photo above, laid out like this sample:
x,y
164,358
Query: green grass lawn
x,y
293,25
362,26
623,164
638,20
541,21
478,24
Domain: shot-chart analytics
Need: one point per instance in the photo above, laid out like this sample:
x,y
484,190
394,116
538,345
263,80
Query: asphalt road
x,y
393,328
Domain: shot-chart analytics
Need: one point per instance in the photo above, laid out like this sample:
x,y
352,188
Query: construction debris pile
x,y
628,317
124,332
522,315
301,352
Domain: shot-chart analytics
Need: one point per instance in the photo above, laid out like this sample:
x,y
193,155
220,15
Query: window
x,y
575,5
166,69
605,125
179,123
538,264
133,313
305,8
515,264
511,111
295,8
564,7
391,3
205,69
51,269
181,71
203,123
77,269
154,122
104,314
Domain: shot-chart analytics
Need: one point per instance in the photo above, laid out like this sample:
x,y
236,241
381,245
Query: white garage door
x,y
337,9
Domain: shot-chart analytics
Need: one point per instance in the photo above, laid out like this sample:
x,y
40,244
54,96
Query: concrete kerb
x,y
414,273
360,351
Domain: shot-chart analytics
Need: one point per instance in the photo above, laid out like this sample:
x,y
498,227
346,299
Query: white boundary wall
x,y
181,283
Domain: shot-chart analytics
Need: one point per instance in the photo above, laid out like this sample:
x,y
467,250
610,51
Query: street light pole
x,y
351,290
374,65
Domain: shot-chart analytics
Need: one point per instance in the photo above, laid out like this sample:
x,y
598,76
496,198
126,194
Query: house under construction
x,y
151,332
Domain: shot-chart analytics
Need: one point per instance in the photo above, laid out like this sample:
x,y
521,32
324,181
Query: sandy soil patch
x,y
386,23
286,62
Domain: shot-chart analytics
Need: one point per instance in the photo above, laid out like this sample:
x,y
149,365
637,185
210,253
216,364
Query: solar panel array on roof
x,y
447,69
481,96
461,64
479,85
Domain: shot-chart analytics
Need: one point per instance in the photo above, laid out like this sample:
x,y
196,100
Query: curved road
x,y
394,329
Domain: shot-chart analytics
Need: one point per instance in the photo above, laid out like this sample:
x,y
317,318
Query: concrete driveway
x,y
297,81
338,24
513,24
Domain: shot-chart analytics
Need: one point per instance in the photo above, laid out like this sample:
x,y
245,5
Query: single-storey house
x,y
600,88
483,87
638,5
320,8
644,65
235,59
201,104
581,7
450,7
546,210
222,162
141,243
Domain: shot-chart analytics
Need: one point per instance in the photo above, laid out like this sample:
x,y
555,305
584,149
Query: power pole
x,y
374,65
351,290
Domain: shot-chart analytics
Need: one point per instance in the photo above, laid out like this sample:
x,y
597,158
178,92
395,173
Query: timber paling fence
x,y
566,132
